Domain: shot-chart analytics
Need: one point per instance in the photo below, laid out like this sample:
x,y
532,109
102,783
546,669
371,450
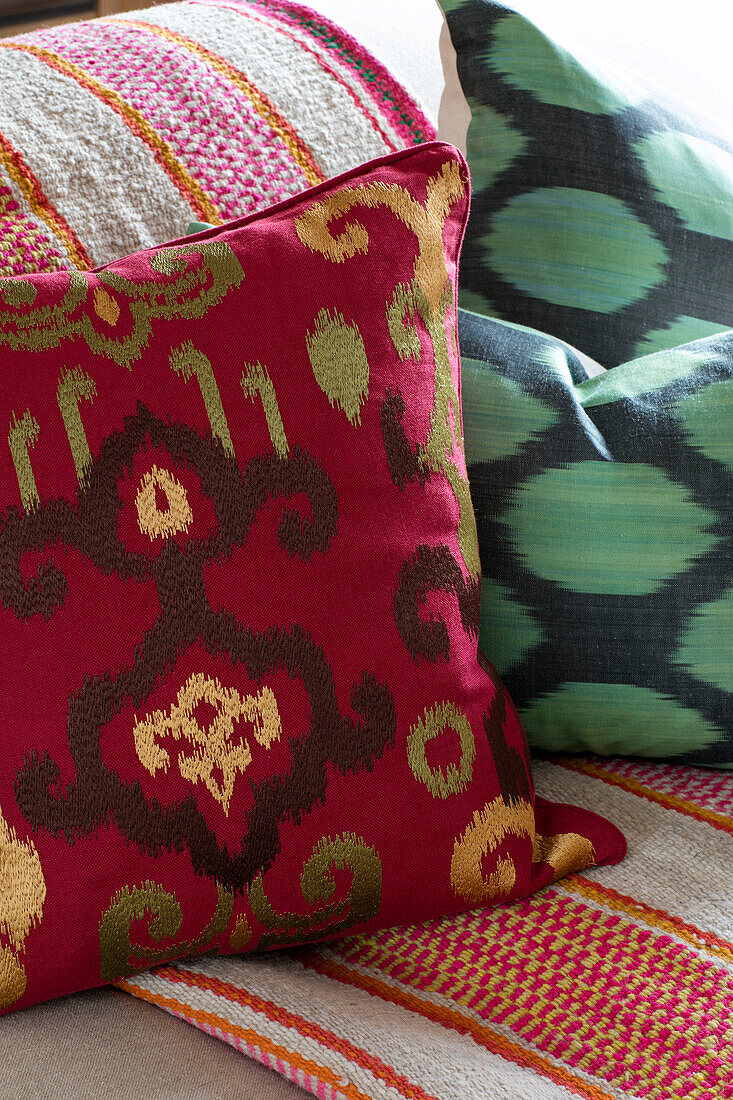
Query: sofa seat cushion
x,y
100,1043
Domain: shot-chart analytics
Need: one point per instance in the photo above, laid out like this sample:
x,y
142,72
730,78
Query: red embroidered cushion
x,y
241,701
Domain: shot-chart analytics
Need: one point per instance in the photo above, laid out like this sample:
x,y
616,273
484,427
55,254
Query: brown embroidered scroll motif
x,y
511,768
433,569
98,795
402,456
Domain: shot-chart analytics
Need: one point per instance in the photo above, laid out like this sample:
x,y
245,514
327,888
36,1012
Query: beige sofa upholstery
x,y
102,1043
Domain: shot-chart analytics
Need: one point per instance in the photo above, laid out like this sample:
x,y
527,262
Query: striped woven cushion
x,y
616,984
116,132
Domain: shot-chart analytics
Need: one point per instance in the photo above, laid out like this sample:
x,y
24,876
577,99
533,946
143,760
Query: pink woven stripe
x,y
630,1005
208,122
326,65
24,247
391,100
713,790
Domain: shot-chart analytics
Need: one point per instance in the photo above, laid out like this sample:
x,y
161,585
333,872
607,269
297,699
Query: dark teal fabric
x,y
600,214
604,505
605,518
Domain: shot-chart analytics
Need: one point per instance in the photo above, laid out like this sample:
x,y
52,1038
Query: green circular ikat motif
x,y
615,719
604,507
604,527
574,247
706,417
704,210
494,143
501,417
532,62
707,647
682,330
511,628
602,212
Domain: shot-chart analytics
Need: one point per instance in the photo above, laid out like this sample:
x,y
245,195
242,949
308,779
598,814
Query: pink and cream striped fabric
x,y
616,984
116,132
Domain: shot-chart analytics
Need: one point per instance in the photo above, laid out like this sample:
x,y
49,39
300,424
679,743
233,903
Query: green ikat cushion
x,y
605,518
599,213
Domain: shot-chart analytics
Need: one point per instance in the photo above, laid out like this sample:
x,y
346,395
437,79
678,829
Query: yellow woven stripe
x,y
298,150
186,184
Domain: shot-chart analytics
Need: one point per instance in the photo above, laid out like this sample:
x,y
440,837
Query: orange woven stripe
x,y
657,918
450,1018
186,184
267,110
33,193
283,1016
671,801
210,1019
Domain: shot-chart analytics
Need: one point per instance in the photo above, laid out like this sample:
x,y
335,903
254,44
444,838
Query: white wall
x,y
684,46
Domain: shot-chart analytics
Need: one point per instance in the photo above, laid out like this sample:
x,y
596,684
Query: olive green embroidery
x,y
126,307
120,957
445,439
19,292
317,885
188,361
429,294
22,437
401,311
434,722
74,387
339,361
256,383
446,435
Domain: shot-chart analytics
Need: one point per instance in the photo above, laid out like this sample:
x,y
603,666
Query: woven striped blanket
x,y
116,133
617,983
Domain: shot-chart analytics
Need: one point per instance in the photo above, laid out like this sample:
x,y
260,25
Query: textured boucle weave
x,y
115,132
617,983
